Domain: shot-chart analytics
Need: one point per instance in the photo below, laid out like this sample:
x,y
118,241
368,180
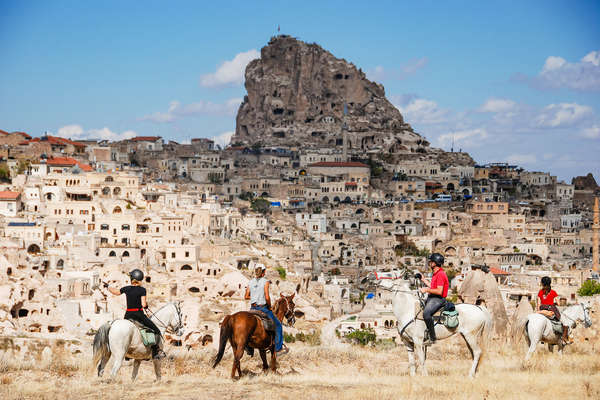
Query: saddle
x,y
267,322
447,315
148,337
557,326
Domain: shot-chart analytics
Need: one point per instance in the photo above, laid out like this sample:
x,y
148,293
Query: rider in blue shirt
x,y
258,294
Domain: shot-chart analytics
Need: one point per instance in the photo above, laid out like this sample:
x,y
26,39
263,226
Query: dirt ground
x,y
315,372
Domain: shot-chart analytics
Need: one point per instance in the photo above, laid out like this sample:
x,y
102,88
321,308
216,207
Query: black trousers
x,y
140,317
432,305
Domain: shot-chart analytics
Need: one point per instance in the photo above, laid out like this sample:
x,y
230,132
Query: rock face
x,y
296,97
585,182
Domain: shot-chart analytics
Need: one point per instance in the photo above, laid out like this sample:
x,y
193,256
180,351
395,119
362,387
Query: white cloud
x,y
470,137
562,115
521,159
70,131
557,73
230,72
223,139
496,105
592,132
76,132
420,111
177,110
380,73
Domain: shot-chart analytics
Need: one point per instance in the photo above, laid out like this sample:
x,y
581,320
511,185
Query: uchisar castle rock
x,y
301,96
296,96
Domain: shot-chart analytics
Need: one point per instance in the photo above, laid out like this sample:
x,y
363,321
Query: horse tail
x,y
225,334
101,349
487,328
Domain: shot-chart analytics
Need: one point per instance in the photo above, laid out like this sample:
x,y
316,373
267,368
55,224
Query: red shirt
x,y
547,299
440,279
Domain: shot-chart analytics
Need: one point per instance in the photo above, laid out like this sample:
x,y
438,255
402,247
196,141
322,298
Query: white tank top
x,y
257,291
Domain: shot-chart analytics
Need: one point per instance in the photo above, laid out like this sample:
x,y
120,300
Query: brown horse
x,y
245,329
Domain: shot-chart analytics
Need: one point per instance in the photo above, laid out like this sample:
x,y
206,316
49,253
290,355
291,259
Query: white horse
x,y
539,328
474,321
122,338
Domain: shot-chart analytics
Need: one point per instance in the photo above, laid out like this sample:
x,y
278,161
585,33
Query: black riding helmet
x,y
137,275
546,281
437,258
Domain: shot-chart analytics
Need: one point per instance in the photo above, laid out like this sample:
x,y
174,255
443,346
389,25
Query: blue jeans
x,y
278,326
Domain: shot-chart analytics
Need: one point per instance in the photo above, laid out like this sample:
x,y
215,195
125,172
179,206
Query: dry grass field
x,y
313,372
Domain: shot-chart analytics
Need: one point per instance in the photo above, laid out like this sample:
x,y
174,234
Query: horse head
x,y
587,320
176,321
288,311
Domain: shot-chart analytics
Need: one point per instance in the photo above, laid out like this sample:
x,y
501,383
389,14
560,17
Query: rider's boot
x,y
429,333
157,353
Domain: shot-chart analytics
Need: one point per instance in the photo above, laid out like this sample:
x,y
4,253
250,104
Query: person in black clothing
x,y
136,304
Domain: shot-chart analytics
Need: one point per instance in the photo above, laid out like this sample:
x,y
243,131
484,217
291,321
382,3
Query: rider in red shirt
x,y
547,307
437,293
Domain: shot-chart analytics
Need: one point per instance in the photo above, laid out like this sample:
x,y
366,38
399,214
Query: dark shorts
x,y
553,308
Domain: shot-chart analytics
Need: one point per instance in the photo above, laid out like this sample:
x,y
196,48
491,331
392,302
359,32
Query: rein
x,y
168,327
586,320
289,314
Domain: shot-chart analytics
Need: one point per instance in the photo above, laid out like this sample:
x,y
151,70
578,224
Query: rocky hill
x,y
297,93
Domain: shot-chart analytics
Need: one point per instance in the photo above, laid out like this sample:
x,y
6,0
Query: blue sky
x,y
508,82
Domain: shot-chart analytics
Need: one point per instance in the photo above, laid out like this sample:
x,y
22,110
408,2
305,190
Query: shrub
x,y
282,272
313,338
260,205
288,338
4,173
362,336
589,288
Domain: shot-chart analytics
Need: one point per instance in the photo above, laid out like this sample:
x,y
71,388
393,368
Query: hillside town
x,y
196,218
323,189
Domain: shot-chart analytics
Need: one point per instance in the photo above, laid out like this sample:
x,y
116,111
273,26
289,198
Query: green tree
x,y
282,272
589,288
260,205
362,336
4,173
23,165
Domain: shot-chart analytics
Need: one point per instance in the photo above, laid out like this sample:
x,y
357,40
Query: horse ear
x,y
281,294
292,296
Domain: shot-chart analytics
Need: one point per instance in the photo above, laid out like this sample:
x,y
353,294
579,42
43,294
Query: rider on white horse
x,y
547,307
437,292
136,304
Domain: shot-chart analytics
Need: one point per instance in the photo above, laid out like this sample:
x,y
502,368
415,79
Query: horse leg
x,y
475,350
420,350
136,367
412,366
117,364
238,352
263,357
273,359
156,364
550,348
534,339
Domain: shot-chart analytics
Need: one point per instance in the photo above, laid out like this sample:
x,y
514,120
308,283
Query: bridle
x,y
289,314
587,322
168,328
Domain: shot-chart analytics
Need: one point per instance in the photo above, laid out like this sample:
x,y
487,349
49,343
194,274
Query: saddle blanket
x,y
268,323
148,337
556,326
